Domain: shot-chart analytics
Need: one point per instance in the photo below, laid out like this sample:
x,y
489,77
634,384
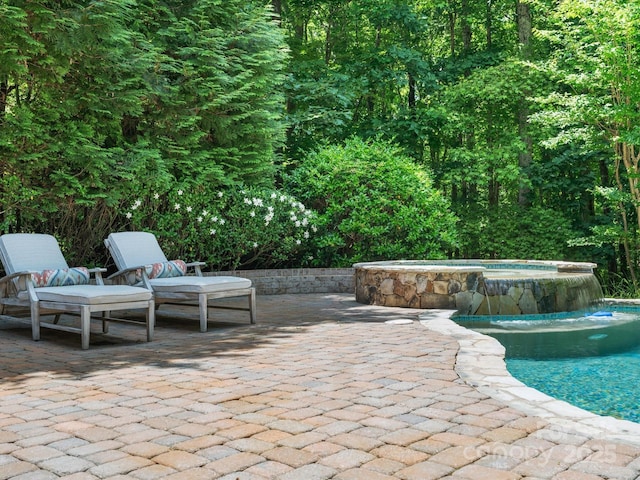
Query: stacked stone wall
x,y
412,289
298,280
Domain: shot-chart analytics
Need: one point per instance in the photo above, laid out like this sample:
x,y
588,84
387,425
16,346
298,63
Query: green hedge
x,y
373,203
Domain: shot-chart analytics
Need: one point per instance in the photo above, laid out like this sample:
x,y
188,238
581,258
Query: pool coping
x,y
480,363
473,265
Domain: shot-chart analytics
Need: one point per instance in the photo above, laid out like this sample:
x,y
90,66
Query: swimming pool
x,y
590,361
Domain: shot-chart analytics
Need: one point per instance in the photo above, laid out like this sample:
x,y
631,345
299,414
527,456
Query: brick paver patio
x,y
320,388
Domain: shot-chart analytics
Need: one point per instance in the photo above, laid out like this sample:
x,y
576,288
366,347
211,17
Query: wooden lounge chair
x,y
141,261
38,278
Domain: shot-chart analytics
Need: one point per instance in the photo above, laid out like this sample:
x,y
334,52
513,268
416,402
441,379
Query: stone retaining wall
x,y
298,280
413,289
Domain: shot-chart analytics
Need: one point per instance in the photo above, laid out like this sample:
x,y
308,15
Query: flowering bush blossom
x,y
226,228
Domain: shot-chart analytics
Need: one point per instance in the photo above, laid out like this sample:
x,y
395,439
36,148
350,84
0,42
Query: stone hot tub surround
x,y
479,287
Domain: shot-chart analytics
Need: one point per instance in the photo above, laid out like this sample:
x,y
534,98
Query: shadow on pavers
x,y
177,336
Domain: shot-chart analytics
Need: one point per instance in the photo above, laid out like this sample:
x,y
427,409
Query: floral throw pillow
x,y
61,277
172,268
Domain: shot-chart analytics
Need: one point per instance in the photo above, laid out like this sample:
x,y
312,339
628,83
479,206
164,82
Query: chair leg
x,y
35,320
204,308
105,323
56,318
151,320
252,305
85,326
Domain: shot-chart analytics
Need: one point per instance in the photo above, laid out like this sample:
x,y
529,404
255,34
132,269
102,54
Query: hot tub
x,y
479,287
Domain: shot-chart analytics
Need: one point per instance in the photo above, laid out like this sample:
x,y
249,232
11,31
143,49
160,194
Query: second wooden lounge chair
x,y
141,261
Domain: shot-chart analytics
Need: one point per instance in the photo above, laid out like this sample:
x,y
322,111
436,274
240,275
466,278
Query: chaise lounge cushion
x,y
91,294
132,249
193,284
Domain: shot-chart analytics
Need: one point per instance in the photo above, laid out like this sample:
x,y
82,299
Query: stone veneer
x,y
426,287
297,280
479,287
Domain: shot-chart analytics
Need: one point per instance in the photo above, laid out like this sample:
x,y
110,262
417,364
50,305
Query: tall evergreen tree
x,y
69,73
98,96
215,107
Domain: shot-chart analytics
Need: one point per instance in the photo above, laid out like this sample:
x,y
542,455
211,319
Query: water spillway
x,y
479,287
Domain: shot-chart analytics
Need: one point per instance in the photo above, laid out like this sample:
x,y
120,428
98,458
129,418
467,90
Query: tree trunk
x,y
4,92
327,45
466,27
523,15
626,155
411,101
452,34
488,25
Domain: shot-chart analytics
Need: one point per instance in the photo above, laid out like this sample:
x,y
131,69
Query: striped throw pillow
x,y
172,268
61,277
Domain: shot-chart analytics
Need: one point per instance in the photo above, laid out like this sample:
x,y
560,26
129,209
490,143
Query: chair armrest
x,y
11,284
126,271
97,273
127,276
13,276
196,266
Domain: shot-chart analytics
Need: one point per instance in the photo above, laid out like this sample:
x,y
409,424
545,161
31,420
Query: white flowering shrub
x,y
249,227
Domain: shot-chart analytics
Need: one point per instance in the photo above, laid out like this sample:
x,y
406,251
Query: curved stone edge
x,y
476,264
480,363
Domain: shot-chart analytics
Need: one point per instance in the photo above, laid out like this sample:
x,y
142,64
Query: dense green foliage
x,y
98,98
373,203
598,88
523,112
515,233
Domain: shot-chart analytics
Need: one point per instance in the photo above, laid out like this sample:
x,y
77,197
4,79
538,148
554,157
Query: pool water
x,y
592,362
608,385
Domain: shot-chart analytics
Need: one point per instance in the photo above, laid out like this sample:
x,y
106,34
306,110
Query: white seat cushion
x,y
193,284
91,294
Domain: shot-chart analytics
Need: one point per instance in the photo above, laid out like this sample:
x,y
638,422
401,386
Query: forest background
x,y
255,134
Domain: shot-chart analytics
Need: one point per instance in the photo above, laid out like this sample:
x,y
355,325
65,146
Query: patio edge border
x,y
480,363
